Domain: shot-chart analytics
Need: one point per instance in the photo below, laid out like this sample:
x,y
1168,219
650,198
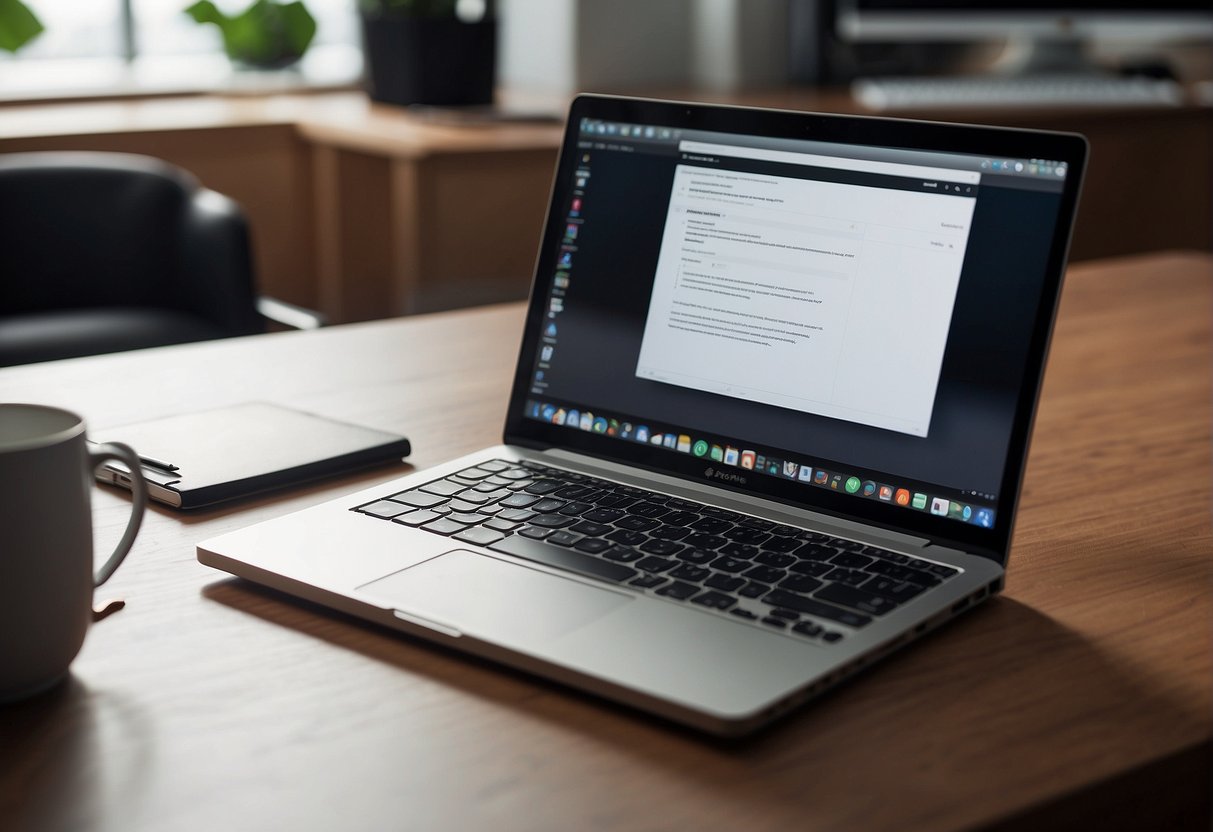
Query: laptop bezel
x,y
1069,148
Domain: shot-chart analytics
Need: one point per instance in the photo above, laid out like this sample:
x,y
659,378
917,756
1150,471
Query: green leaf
x,y
18,25
267,33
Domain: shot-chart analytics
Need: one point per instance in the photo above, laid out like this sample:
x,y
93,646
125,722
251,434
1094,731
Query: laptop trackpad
x,y
480,595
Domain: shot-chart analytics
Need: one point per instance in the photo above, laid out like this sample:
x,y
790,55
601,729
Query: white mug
x,y
46,542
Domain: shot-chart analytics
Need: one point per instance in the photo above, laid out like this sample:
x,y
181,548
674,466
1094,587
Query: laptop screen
x,y
771,304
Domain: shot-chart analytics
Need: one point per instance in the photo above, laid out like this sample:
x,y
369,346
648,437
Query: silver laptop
x,y
769,418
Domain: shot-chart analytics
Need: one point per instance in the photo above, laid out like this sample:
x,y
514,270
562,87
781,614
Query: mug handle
x,y
118,452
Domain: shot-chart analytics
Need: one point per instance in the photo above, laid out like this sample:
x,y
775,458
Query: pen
x,y
152,462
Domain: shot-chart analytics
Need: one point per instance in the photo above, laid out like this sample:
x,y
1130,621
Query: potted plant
x,y
434,52
18,25
269,34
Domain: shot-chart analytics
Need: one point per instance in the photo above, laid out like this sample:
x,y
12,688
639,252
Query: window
x,y
128,46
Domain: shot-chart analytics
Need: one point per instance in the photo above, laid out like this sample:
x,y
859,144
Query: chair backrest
x,y
84,230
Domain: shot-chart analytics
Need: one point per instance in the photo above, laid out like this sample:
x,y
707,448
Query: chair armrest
x,y
288,314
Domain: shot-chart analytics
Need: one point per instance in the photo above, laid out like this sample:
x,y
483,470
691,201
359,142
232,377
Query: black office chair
x,y
104,252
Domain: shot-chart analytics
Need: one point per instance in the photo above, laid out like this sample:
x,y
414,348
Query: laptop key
x,y
856,599
808,628
474,473
777,623
774,559
444,487
552,521
731,564
419,499
691,572
417,518
540,552
649,510
696,556
386,509
661,547
562,538
678,591
783,598
742,612
782,545
703,540
747,536
603,515
816,568
444,526
655,564
897,591
479,535
679,518
516,514
535,533
851,577
712,525
622,554
636,524
592,545
766,574
800,583
714,600
497,524
669,532
627,538
466,519
648,581
753,590
725,582
592,529
851,560
542,487
522,500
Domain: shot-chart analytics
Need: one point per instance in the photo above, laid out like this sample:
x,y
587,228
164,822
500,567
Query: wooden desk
x,y
1078,699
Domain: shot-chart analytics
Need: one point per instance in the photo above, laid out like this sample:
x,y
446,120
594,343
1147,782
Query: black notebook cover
x,y
246,449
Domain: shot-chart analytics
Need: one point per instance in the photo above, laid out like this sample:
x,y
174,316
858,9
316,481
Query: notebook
x,y
768,422
197,459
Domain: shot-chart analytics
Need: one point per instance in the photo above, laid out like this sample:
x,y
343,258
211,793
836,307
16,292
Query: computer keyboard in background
x,y
774,575
1030,91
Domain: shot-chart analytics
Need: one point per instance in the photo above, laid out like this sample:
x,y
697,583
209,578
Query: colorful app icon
x,y
669,441
747,460
566,259
984,518
561,281
642,433
558,416
548,412
885,492
600,425
790,469
570,231
835,481
902,497
939,506
822,477
625,430
700,448
587,421
773,466
760,463
731,455
869,488
545,354
716,454
657,439
806,473
966,513
573,420
550,332
576,204
613,427
532,409
684,443
852,485
920,501
957,510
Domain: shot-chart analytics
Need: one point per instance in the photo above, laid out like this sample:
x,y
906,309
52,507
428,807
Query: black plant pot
x,y
436,61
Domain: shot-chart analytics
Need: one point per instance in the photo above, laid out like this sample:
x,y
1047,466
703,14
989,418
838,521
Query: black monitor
x,y
1042,34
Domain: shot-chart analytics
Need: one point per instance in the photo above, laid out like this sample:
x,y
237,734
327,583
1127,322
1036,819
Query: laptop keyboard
x,y
775,575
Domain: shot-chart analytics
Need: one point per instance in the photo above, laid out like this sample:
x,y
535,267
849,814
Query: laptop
x,y
768,423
